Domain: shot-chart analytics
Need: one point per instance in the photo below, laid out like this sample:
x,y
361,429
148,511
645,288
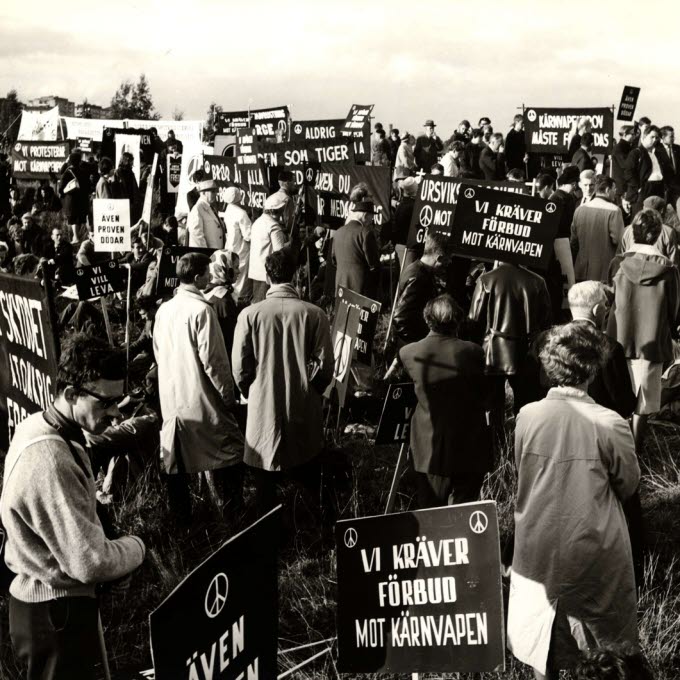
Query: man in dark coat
x,y
355,252
620,156
669,152
60,256
515,147
427,147
450,439
646,173
473,150
420,282
582,158
129,188
491,161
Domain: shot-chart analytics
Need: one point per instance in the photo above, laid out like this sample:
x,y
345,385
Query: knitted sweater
x,y
55,541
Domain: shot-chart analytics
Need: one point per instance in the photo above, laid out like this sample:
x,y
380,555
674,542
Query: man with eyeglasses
x,y
55,543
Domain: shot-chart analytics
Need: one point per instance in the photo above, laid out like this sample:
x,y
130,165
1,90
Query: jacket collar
x,y
192,292
565,392
282,290
644,248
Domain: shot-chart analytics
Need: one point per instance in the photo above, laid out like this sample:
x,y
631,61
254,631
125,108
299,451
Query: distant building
x,y
87,110
66,107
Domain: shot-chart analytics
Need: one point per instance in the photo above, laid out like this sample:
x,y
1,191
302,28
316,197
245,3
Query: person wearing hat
x,y
287,192
239,227
405,160
427,147
204,226
266,237
355,251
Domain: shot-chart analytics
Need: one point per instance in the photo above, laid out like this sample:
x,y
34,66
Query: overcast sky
x,y
414,60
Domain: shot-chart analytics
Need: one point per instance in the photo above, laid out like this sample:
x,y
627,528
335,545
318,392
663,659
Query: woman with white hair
x,y
238,226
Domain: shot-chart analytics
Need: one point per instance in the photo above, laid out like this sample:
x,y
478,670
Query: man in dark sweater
x,y
515,146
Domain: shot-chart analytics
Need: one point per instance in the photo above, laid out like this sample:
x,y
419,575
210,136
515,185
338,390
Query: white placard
x,y
112,225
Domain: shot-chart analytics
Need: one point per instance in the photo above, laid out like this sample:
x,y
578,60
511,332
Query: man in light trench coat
x,y
199,432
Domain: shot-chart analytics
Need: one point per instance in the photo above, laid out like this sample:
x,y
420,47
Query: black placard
x,y
166,277
28,360
546,130
221,621
312,130
420,592
628,104
93,282
38,160
494,225
250,177
395,420
369,313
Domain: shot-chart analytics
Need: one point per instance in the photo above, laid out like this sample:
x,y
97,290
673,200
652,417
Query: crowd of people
x,y
247,329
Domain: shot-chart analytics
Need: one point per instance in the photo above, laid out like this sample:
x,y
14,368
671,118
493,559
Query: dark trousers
x,y
260,289
58,640
434,491
228,484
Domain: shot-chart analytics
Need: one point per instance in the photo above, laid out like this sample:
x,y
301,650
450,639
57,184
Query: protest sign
x,y
547,130
420,592
332,183
39,126
174,169
28,358
250,177
92,128
111,225
395,420
246,142
137,141
229,121
296,156
343,337
85,144
221,621
307,130
436,201
93,282
270,122
147,208
628,104
494,225
369,312
186,131
166,275
38,160
358,116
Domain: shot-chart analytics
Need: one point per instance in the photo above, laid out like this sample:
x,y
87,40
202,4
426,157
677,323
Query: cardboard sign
x,y
628,104
38,160
166,276
343,336
93,282
229,121
84,144
28,358
437,199
271,122
112,229
494,225
309,130
221,621
420,592
246,142
251,178
547,130
358,116
369,313
174,171
395,420
332,183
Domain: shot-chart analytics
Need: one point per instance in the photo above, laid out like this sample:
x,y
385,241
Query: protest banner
x,y
38,160
436,201
112,228
39,126
270,122
343,336
250,177
28,357
93,282
187,131
92,128
332,183
358,116
137,141
147,208
85,144
628,104
547,130
420,592
369,312
221,621
228,122
296,156
173,172
166,274
307,130
494,225
397,411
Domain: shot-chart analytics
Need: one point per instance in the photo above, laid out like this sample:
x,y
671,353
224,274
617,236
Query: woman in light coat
x,y
572,585
405,157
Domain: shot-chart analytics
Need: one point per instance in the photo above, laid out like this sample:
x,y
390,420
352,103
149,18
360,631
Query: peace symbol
x,y
351,537
551,207
206,166
79,271
216,595
478,522
310,174
426,216
469,193
531,115
298,128
397,393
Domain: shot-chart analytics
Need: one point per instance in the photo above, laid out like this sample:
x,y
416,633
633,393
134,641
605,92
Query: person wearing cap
x,y
452,160
620,155
266,237
405,159
239,228
203,224
355,251
428,146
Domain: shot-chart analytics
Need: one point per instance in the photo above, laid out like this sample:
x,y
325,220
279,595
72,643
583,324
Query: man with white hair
x,y
204,226
266,237
596,233
586,182
239,227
